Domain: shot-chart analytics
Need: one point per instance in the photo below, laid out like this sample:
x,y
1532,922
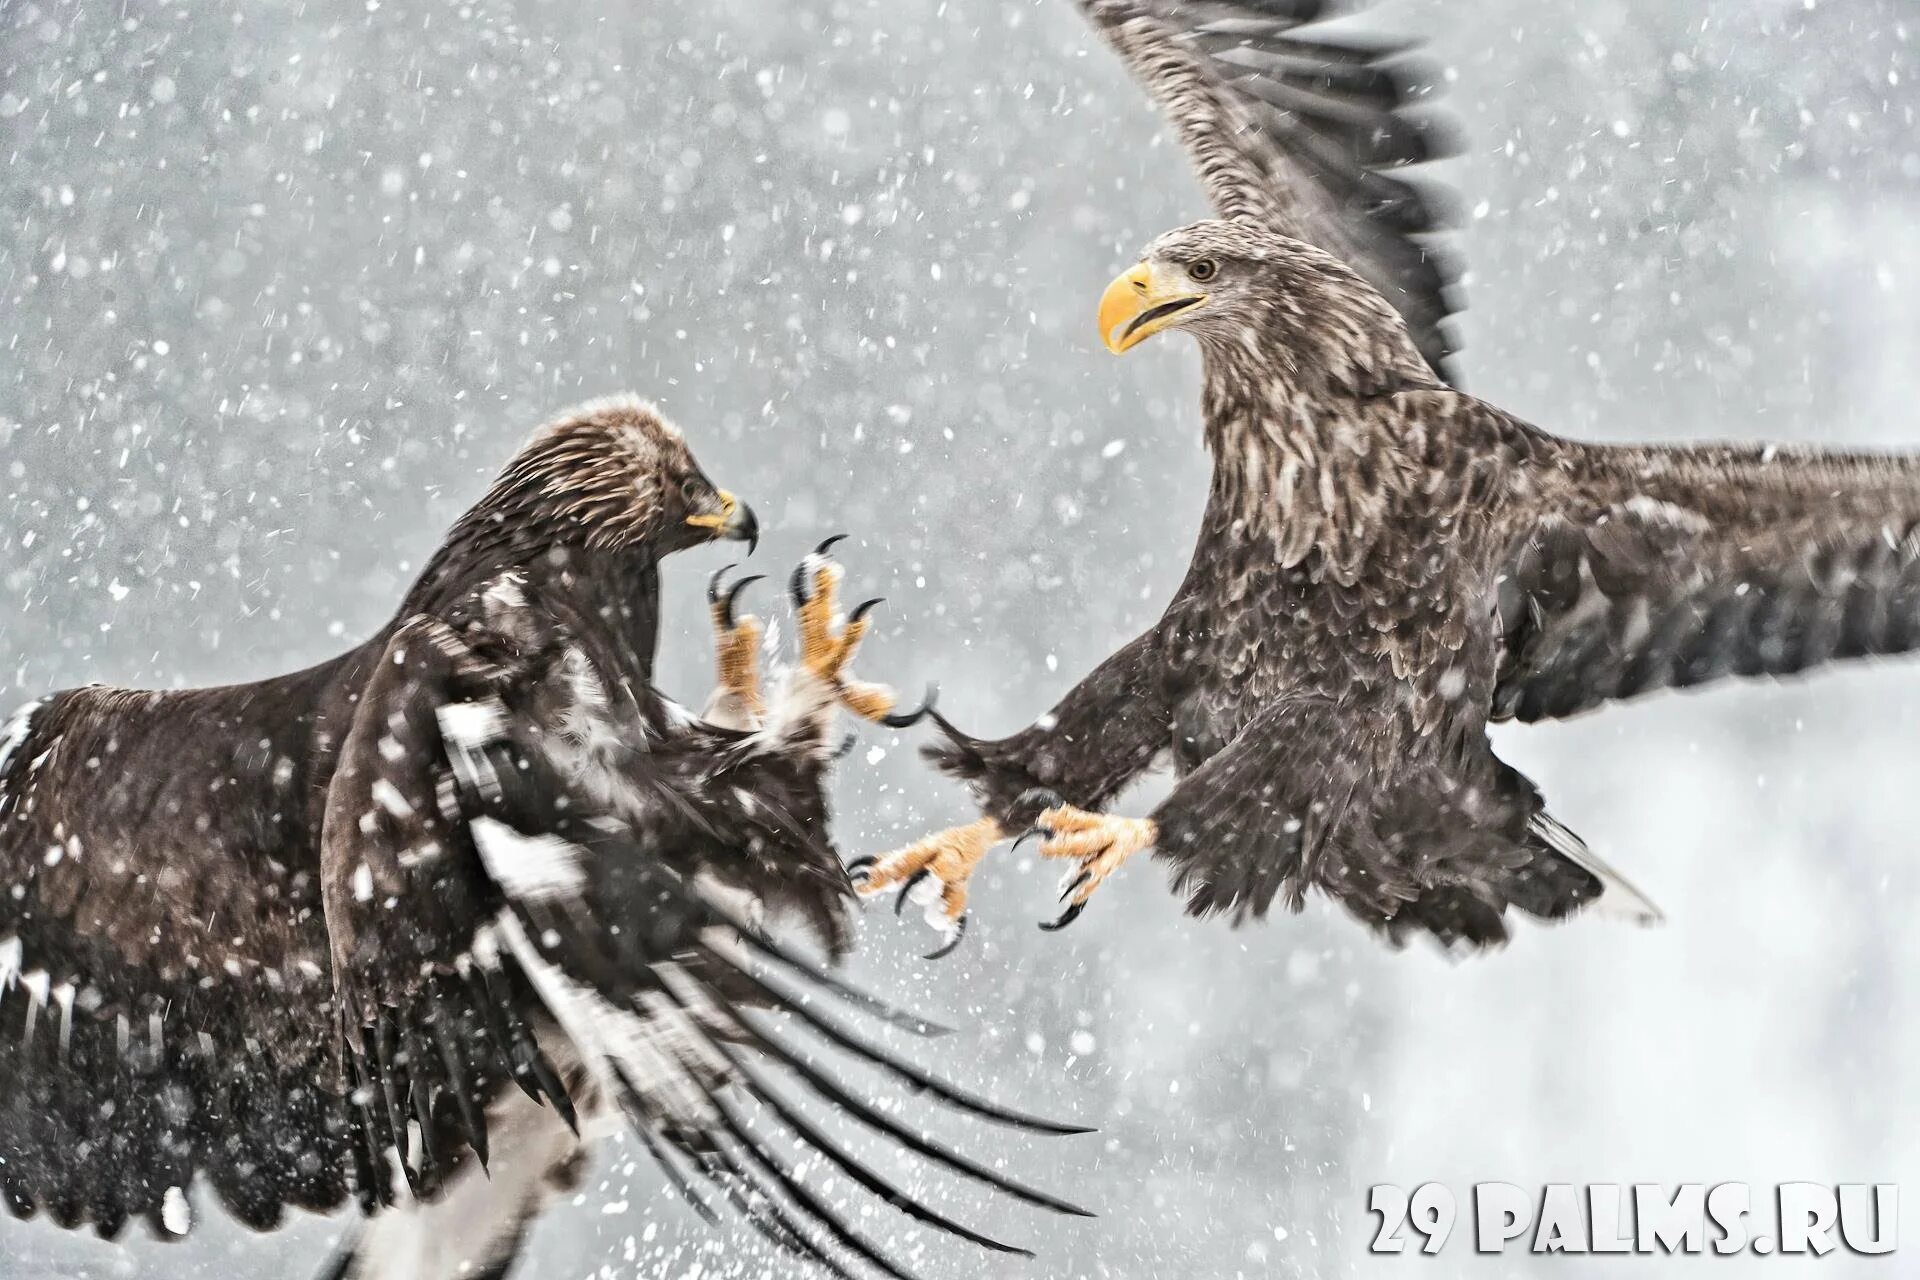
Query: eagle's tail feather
x,y
1619,897
1549,875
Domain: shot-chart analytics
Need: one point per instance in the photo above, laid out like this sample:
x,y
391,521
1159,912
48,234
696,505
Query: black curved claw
x,y
719,576
1067,917
1036,800
1045,833
733,595
1074,888
858,868
942,952
908,719
913,882
845,749
864,608
797,587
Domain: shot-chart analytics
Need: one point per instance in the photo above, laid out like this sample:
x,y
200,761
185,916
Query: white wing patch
x,y
176,1215
471,726
528,868
388,797
505,594
1654,511
648,1054
468,729
678,717
802,708
15,732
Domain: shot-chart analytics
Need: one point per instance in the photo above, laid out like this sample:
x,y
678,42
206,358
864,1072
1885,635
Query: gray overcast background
x,y
282,285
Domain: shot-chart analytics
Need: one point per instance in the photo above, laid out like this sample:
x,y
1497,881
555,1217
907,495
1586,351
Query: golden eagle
x,y
308,942
1386,564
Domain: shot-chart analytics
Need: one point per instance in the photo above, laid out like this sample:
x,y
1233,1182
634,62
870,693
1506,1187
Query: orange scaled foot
x,y
738,701
934,873
829,656
1099,842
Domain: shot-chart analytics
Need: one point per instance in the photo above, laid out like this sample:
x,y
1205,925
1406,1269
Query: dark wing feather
x,y
1645,568
1304,133
1311,794
549,940
1100,737
164,997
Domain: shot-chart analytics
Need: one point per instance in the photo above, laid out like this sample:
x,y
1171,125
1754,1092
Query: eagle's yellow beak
x,y
734,519
1142,302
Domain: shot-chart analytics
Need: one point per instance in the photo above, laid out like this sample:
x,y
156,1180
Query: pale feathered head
x,y
1248,294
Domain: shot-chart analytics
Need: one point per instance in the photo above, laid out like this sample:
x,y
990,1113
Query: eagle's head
x,y
1244,291
616,475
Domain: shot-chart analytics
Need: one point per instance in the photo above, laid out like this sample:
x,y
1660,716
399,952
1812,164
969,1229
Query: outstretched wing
x,y
493,921
1643,568
1302,131
164,999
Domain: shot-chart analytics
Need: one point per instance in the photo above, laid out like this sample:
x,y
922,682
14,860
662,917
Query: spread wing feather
x,y
164,997
504,912
1645,568
1304,133
487,923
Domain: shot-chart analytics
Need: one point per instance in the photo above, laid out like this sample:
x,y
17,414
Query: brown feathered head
x,y
1263,303
614,475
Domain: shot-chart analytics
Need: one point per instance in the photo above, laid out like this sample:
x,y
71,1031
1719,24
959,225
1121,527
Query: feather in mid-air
x,y
401,928
1385,564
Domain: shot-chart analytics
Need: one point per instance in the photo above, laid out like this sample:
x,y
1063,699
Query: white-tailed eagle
x,y
399,929
1387,564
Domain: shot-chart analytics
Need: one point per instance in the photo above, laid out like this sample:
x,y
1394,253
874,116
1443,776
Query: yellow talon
x,y
1100,842
739,652
738,700
829,657
950,856
851,635
869,701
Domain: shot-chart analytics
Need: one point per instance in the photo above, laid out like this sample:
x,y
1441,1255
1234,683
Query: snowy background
x,y
282,286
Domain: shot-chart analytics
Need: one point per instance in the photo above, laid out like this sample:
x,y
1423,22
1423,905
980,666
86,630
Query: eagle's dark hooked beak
x,y
733,520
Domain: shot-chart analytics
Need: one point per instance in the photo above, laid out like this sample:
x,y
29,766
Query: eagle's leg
x,y
738,701
933,872
829,654
1100,843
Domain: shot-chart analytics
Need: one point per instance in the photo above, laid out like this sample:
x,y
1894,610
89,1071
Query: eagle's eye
x,y
1203,269
690,488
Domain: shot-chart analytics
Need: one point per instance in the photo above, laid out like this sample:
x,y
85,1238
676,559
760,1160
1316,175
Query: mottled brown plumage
x,y
306,940
1386,564
1306,132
